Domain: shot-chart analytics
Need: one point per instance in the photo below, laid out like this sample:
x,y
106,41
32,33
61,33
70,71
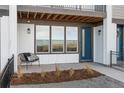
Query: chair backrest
x,y
21,57
26,55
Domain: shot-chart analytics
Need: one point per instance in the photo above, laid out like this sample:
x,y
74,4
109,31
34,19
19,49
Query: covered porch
x,y
79,35
27,24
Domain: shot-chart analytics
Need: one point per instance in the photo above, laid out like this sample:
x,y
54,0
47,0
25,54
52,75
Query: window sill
x,y
54,53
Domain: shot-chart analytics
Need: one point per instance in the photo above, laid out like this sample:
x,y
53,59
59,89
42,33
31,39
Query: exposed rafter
x,y
35,15
48,16
61,17
42,15
68,17
84,19
90,19
73,18
28,15
20,14
79,18
54,18
58,17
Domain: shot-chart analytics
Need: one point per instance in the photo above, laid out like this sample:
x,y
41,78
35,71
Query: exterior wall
x,y
4,10
13,34
26,44
109,36
8,37
98,44
0,44
114,29
25,41
4,37
6,7
59,58
118,11
123,42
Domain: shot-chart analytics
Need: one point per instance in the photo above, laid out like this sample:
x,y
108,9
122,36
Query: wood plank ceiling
x,y
57,17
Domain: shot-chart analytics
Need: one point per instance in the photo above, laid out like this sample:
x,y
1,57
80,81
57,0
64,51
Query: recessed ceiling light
x,y
28,21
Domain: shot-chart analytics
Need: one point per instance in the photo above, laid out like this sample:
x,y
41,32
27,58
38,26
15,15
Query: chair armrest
x,y
21,57
34,57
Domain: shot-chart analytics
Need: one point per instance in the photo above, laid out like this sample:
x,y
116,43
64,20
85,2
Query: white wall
x,y
59,58
13,34
109,35
114,40
4,37
98,44
25,41
26,44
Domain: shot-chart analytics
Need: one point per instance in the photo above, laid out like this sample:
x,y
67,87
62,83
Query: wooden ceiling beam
x,y
99,20
20,14
28,15
35,15
58,17
73,18
68,17
49,15
78,19
42,15
54,18
85,19
93,19
61,17
89,19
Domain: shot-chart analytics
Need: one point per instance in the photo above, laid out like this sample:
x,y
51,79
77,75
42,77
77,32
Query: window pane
x,y
57,39
42,38
71,39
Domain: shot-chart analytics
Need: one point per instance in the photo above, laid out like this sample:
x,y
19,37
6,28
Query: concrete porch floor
x,y
113,73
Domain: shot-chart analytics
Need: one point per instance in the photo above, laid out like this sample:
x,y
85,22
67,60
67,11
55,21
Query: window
x,y
42,38
71,39
57,39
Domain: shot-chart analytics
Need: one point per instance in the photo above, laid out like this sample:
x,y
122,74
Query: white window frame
x,y
51,40
50,47
77,40
48,42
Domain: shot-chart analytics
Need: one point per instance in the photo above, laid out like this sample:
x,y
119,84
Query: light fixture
x,y
28,21
99,32
28,31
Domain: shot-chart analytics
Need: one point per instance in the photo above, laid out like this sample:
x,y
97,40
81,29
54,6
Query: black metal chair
x,y
28,58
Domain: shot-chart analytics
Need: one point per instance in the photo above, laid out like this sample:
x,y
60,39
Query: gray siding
x,y
4,10
5,7
118,11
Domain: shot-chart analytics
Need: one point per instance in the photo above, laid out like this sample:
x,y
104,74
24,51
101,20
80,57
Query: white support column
x,y
13,33
109,35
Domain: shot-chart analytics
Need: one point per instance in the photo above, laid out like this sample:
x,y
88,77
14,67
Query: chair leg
x,y
31,63
26,66
39,62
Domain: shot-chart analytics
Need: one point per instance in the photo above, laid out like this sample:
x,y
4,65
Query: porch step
x,y
120,68
86,61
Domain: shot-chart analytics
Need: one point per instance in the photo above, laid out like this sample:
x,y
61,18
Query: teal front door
x,y
86,44
120,42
